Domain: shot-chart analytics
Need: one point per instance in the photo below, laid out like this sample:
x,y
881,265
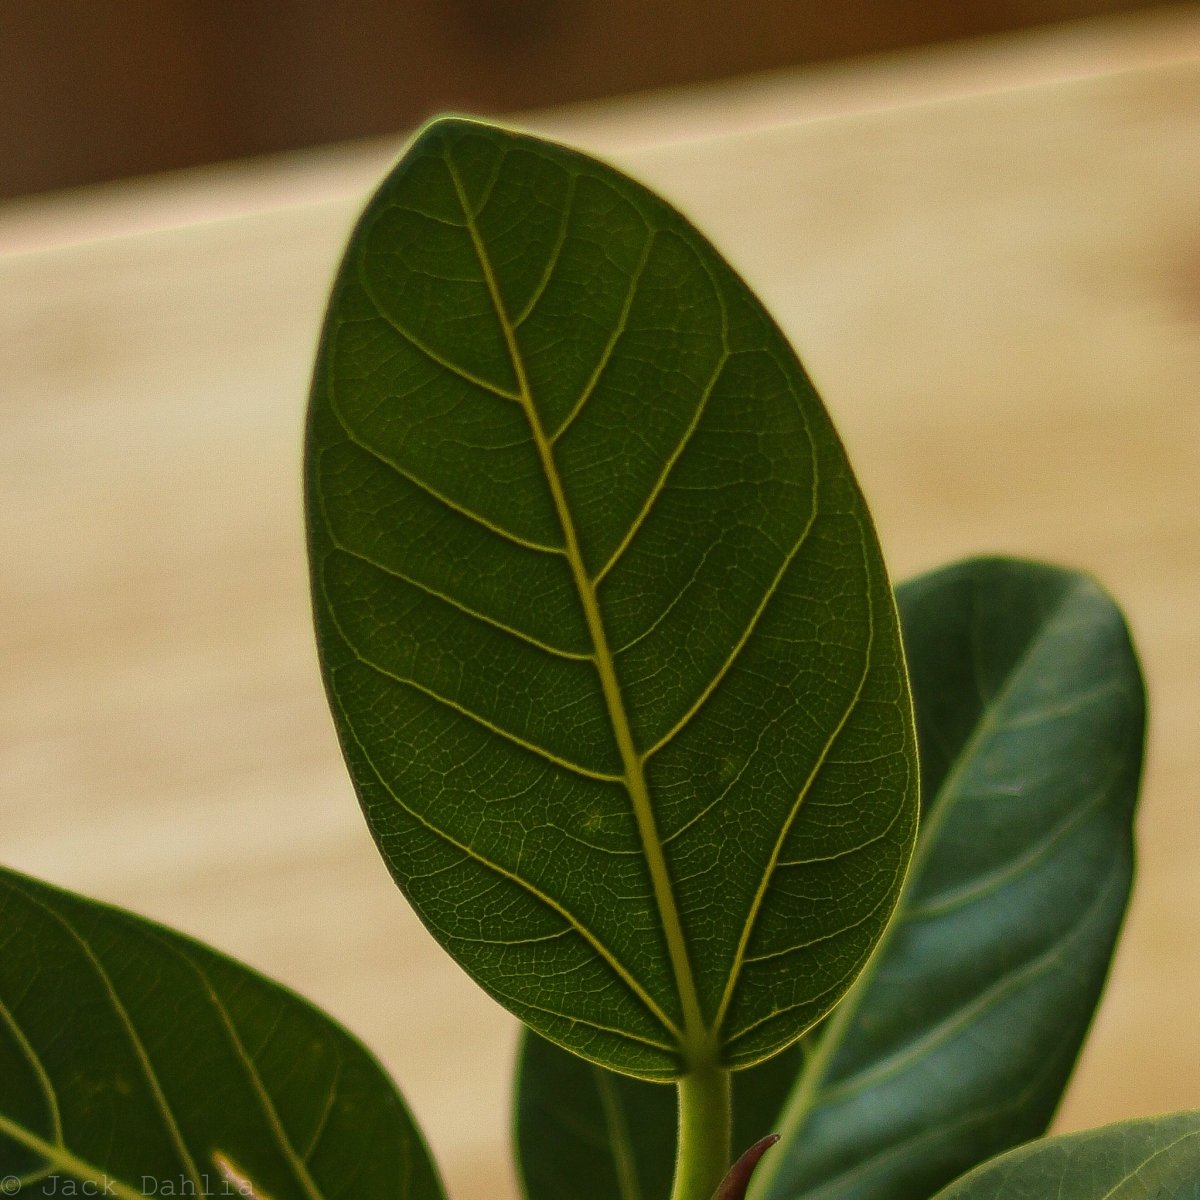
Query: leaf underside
x,y
958,1043
135,1061
601,613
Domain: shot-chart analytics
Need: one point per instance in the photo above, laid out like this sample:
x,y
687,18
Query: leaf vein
x,y
799,1107
165,1111
466,609
786,827
965,1017
738,646
676,454
824,937
807,1002
480,720
1158,1153
618,968
39,1069
435,494
432,355
267,1105
697,1039
947,902
619,1140
326,1112
553,260
846,853
58,1156
834,1185
611,345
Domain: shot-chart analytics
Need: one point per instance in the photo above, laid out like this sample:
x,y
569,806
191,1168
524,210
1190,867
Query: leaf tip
x,y
737,1180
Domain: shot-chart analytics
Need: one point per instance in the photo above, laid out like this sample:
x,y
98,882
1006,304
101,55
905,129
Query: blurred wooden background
x,y
94,91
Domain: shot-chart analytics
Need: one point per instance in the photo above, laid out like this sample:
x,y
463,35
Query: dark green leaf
x,y
959,1038
586,1133
136,1059
1157,1158
601,612
959,1042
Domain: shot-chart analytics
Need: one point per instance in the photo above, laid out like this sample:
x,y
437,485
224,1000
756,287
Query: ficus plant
x,y
779,867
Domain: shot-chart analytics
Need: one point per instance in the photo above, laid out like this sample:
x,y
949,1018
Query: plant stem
x,y
704,1133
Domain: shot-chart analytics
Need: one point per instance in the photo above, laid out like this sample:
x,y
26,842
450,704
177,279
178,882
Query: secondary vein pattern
x,y
603,618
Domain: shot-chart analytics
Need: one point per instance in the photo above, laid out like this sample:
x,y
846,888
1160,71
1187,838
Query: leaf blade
x,y
930,1126
959,1040
503,308
132,1053
1154,1156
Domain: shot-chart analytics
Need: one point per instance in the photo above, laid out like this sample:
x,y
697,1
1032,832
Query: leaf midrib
x,y
572,922
697,1043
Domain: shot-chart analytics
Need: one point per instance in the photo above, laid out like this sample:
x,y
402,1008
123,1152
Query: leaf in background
x,y
1156,1158
586,1133
601,612
135,1058
958,1040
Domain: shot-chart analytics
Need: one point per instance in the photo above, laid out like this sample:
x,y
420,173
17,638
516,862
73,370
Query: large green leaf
x,y
959,1040
1156,1158
601,612
136,1060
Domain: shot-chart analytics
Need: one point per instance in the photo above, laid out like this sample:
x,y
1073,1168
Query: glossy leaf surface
x,y
1157,1158
601,613
958,1041
135,1061
961,1039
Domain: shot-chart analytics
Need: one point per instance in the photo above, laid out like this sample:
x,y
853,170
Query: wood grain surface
x,y
997,291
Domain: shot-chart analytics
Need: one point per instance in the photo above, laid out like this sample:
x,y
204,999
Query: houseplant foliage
x,y
958,1039
622,686
617,679
135,1061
